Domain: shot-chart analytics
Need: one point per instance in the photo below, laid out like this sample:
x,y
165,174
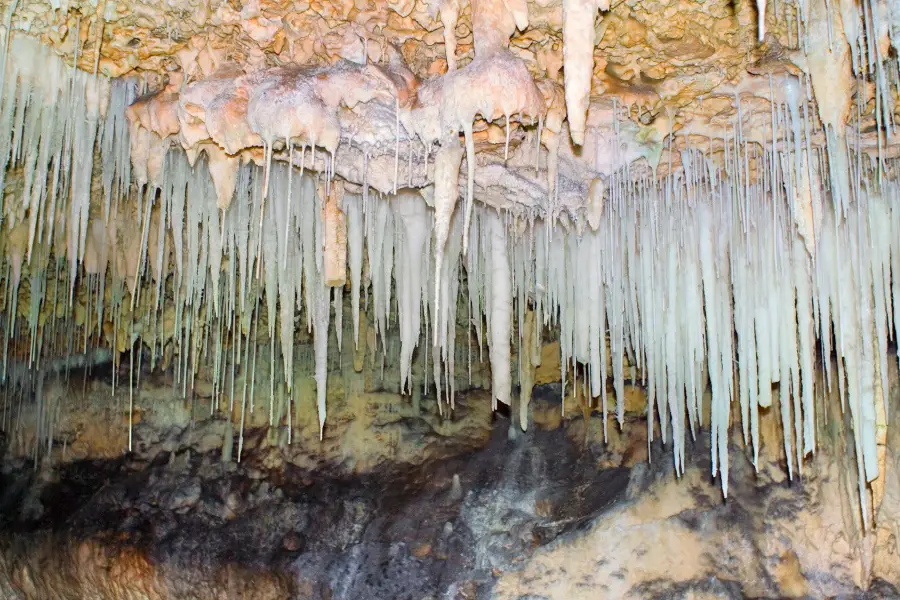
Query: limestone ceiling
x,y
649,54
695,69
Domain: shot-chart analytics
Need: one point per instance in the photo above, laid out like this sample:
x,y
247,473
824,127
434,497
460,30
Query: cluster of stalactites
x,y
54,122
702,276
848,49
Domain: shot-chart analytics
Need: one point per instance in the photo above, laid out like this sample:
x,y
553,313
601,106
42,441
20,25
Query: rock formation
x,y
684,215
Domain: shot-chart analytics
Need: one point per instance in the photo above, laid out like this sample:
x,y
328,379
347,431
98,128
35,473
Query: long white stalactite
x,y
703,271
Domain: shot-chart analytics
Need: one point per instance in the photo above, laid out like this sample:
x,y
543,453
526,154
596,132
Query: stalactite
x,y
353,209
410,212
446,193
499,313
321,320
470,182
578,49
731,274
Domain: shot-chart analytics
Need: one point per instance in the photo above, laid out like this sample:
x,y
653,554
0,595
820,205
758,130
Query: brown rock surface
x,y
553,514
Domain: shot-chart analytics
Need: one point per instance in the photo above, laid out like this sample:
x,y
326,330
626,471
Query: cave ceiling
x,y
698,70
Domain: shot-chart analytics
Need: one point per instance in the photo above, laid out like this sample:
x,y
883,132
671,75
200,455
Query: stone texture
x,y
335,254
551,514
670,67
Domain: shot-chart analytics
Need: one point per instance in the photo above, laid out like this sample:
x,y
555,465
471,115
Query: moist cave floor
x,y
183,524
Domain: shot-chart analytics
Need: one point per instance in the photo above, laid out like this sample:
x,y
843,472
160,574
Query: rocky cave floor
x,y
552,513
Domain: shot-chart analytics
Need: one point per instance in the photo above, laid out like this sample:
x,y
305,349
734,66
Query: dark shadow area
x,y
398,532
